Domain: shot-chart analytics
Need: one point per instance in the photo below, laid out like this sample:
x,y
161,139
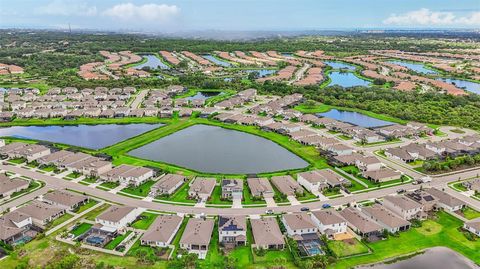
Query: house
x,y
361,224
232,230
232,189
117,218
128,174
267,234
287,185
91,166
260,187
318,180
54,157
329,222
298,224
388,220
31,152
428,201
404,207
445,200
41,213
368,163
399,154
64,199
162,231
382,175
14,226
473,226
473,185
167,185
201,188
197,235
10,186
340,149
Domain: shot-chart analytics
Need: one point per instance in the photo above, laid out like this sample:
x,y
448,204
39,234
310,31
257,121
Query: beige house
x,y
9,186
162,231
65,199
201,188
267,234
167,185
197,235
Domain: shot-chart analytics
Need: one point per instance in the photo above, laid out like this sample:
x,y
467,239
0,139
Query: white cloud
x,y
426,17
148,12
68,8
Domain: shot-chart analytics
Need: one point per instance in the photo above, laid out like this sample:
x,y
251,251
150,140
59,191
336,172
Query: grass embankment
x,y
146,219
442,232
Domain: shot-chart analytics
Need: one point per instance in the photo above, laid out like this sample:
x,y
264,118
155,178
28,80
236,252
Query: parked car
x,y
304,209
269,212
401,191
326,206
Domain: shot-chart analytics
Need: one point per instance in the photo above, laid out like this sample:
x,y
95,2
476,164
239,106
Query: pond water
x,y
464,84
354,118
346,79
203,95
153,62
216,60
217,150
340,65
262,72
417,67
434,258
87,136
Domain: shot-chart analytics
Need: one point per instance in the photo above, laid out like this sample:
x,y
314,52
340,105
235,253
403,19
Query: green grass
x,y
49,168
116,241
141,190
146,220
306,196
459,186
248,198
216,197
470,213
344,137
73,175
110,185
17,160
442,232
81,229
60,220
275,258
344,249
86,206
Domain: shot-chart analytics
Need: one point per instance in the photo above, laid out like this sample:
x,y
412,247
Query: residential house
x,y
232,230
197,235
260,187
41,213
298,224
167,185
329,222
117,218
65,199
445,200
267,234
287,185
388,220
128,174
201,188
162,231
473,226
404,207
14,226
232,189
9,186
360,224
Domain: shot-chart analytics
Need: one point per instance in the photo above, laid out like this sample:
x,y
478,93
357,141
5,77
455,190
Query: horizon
x,y
173,17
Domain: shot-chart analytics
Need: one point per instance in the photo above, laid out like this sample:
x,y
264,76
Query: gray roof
x,y
266,232
402,202
198,232
115,213
40,211
328,217
445,198
298,221
383,215
259,185
358,221
64,198
162,228
7,184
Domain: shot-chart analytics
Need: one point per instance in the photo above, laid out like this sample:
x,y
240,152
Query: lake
x,y
217,150
434,258
87,136
203,95
417,67
346,79
216,60
153,62
262,72
340,65
464,84
355,118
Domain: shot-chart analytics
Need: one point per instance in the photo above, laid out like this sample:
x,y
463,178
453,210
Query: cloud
x,y
148,12
426,17
67,8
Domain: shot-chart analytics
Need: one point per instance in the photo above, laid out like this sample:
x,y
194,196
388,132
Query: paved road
x,y
138,99
55,183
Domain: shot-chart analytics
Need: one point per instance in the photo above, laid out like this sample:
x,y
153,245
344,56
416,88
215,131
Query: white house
x,y
118,217
329,222
299,224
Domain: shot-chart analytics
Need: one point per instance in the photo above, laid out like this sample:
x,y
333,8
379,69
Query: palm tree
x,y
319,261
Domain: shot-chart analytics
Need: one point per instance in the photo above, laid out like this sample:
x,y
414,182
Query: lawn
x,y
470,213
17,160
459,186
331,191
216,197
347,247
110,185
146,219
248,198
116,241
73,175
306,196
59,220
442,232
49,168
275,258
141,190
89,180
81,229
86,206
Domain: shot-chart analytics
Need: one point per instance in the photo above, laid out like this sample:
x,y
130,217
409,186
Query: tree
x,y
319,261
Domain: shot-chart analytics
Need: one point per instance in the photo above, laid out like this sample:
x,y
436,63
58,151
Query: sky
x,y
168,16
